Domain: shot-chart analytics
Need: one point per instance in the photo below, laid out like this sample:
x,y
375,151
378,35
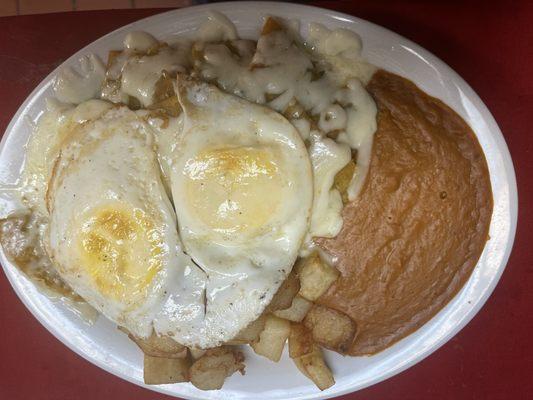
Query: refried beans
x,y
413,236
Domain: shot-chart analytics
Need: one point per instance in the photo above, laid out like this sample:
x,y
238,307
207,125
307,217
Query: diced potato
x,y
334,134
158,346
170,106
271,96
196,353
210,370
286,293
152,51
300,341
295,110
271,25
250,333
272,339
112,56
160,371
299,364
331,328
134,103
317,74
315,276
343,178
110,88
297,311
242,48
314,367
164,87
197,53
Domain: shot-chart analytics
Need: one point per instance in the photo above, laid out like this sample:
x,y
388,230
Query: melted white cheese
x,y
339,51
139,41
141,73
71,86
217,28
327,158
140,65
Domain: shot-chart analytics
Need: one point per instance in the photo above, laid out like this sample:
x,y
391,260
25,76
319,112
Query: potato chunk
x,y
271,25
169,107
297,311
210,370
343,178
250,333
315,276
307,356
158,346
314,367
164,87
272,339
160,371
300,341
330,328
286,293
112,56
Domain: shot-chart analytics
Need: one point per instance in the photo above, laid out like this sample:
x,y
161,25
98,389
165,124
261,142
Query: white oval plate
x,y
104,346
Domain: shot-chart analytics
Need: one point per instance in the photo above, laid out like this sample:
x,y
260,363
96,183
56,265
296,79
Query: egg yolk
x,y
234,190
122,251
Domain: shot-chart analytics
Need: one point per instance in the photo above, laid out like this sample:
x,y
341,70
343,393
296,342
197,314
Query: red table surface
x,y
489,44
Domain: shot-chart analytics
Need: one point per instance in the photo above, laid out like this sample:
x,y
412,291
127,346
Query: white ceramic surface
x,y
104,346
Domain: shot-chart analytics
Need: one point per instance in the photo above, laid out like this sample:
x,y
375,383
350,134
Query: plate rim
x,y
336,15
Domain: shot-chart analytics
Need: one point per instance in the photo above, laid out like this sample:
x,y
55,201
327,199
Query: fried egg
x,y
112,230
242,187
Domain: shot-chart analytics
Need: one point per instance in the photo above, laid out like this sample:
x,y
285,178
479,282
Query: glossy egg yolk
x,y
121,251
234,190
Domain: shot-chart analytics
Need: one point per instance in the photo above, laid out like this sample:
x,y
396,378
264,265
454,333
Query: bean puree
x,y
415,233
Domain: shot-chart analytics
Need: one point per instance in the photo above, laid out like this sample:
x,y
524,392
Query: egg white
x,y
106,188
245,256
53,127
